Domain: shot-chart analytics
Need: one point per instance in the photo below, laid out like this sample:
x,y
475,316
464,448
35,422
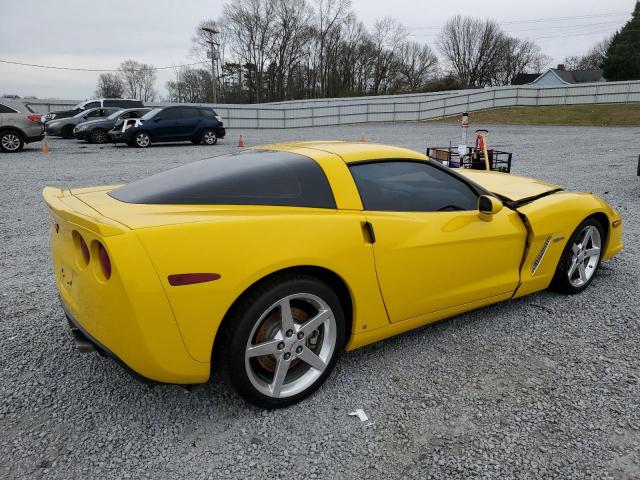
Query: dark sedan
x,y
197,124
64,126
97,131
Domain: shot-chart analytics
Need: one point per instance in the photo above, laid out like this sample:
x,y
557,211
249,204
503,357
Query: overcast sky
x,y
89,34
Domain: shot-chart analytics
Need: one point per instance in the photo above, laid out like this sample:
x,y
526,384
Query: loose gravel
x,y
545,386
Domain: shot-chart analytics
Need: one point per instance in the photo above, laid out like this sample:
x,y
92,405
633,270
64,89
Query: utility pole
x,y
213,53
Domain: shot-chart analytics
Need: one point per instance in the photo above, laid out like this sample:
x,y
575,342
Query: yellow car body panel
x,y
508,185
129,313
422,266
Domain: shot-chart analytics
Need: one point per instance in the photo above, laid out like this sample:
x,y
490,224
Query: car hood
x,y
507,185
94,122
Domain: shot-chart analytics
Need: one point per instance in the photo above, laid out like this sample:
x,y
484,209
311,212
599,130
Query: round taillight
x,y
105,261
85,256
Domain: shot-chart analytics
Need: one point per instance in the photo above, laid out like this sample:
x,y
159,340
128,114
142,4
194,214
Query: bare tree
x,y
329,15
518,56
192,85
417,65
291,21
592,59
250,24
109,86
472,48
388,36
138,80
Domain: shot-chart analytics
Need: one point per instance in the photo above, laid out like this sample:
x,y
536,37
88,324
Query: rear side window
x,y
400,186
170,114
190,112
5,109
247,178
207,112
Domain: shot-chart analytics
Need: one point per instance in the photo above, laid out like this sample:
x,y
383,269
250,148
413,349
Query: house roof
x,y
524,78
578,76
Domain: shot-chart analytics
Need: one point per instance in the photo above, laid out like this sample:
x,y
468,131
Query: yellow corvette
x,y
268,263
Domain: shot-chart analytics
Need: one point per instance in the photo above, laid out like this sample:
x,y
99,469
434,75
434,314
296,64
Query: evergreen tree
x,y
623,57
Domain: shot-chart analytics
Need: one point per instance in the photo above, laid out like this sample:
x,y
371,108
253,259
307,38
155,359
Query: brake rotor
x,y
268,331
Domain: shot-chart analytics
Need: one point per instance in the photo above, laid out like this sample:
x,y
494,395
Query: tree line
x,y
274,50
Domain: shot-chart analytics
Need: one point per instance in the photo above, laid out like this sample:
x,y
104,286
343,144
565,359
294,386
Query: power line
x,y
76,69
537,20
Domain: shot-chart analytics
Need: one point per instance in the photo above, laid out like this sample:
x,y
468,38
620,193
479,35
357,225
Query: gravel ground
x,y
542,387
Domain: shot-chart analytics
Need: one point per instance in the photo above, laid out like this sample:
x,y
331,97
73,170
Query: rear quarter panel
x,y
244,247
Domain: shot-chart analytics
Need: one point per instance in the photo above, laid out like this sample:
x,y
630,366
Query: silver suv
x,y
96,103
18,125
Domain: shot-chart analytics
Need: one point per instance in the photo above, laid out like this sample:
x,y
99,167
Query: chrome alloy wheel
x,y
10,142
142,139
585,255
290,345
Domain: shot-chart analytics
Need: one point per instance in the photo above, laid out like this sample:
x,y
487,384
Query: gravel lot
x,y
542,387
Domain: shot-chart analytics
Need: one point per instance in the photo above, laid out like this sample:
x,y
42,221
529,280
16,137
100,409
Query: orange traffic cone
x,y
45,145
362,137
241,141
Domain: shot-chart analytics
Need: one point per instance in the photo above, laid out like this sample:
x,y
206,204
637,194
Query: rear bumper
x,y
35,138
220,132
80,333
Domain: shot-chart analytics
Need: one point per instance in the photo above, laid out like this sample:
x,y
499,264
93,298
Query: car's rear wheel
x,y
11,142
209,137
142,140
99,135
67,131
284,341
580,259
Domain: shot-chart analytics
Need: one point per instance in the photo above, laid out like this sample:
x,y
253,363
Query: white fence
x,y
400,108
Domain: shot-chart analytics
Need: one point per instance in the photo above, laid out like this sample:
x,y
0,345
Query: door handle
x,y
369,233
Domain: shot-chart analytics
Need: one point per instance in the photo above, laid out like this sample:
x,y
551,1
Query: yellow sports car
x,y
268,263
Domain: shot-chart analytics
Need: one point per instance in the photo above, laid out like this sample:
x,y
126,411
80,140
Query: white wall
x,y
399,108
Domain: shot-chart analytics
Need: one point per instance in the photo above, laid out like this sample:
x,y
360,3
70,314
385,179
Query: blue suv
x,y
171,124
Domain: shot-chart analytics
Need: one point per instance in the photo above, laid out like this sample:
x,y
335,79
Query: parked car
x,y
266,264
8,105
18,127
97,131
89,104
196,124
63,127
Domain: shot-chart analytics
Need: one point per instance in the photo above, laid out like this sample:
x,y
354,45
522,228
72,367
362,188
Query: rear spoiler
x,y
63,204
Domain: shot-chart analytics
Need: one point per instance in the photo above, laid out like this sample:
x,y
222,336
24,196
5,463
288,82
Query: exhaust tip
x,y
82,344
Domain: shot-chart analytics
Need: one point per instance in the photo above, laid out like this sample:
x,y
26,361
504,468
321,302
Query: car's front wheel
x,y
11,142
282,342
67,131
99,135
580,259
142,140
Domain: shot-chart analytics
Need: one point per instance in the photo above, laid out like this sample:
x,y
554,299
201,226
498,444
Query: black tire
x,y
562,279
11,141
67,131
139,139
234,338
209,137
99,135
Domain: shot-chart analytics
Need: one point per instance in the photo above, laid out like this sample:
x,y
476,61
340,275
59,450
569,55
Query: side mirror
x,y
487,207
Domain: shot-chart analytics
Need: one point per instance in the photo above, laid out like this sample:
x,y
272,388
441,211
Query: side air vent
x,y
538,260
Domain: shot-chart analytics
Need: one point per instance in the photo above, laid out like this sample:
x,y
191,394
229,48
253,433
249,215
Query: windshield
x,y
84,112
115,115
150,114
79,106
